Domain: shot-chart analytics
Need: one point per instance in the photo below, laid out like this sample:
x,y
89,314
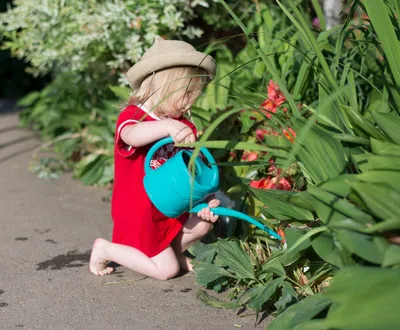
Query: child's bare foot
x,y
97,264
185,263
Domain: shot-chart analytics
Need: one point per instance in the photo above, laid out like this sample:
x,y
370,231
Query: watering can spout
x,y
236,214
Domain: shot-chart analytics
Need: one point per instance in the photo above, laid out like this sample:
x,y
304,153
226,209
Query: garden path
x,y
46,232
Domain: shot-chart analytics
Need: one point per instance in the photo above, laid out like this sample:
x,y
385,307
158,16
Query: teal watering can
x,y
172,188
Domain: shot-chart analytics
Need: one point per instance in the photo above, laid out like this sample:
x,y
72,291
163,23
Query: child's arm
x,y
144,133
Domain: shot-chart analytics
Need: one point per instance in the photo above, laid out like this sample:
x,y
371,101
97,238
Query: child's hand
x,y
180,132
206,214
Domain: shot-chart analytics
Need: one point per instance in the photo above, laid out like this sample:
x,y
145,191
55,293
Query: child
x,y
167,81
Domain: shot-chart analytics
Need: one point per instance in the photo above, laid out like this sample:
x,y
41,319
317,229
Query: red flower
x,y
275,94
249,156
271,183
260,134
273,169
273,90
270,106
292,132
280,99
274,100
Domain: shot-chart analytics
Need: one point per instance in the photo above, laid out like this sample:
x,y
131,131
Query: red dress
x,y
137,222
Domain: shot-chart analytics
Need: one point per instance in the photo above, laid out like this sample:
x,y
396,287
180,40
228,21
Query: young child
x,y
167,81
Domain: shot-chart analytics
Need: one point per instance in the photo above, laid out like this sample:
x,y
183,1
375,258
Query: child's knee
x,y
169,273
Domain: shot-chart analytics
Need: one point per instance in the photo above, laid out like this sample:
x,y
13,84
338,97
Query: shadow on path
x,y
18,140
15,154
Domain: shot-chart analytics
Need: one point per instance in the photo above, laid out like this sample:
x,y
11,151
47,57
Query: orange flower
x,y
270,106
281,233
290,136
271,183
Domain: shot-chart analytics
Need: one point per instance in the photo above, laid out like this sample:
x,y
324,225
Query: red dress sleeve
x,y
129,116
190,124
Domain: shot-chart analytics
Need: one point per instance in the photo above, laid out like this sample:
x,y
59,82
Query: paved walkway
x,y
46,232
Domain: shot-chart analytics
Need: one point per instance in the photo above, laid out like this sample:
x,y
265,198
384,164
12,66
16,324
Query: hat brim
x,y
145,67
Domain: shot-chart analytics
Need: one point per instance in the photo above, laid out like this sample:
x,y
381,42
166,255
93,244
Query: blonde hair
x,y
166,87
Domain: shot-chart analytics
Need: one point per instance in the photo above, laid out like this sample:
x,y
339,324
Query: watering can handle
x,y
168,140
152,151
236,214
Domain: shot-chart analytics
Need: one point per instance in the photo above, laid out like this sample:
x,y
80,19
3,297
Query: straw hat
x,y
165,54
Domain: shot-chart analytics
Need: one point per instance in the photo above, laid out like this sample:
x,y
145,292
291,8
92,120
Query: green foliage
x,y
374,289
81,35
82,138
346,146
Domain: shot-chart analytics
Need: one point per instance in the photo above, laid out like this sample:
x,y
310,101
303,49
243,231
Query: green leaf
x,y
380,200
297,241
321,155
387,224
280,209
376,162
303,27
273,266
260,294
303,79
217,92
246,122
288,297
336,212
320,13
390,124
316,324
208,273
377,290
121,92
203,252
228,144
389,178
29,99
360,159
90,169
366,246
268,63
365,125
381,21
385,148
392,256
213,301
339,185
304,310
324,245
231,255
351,139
